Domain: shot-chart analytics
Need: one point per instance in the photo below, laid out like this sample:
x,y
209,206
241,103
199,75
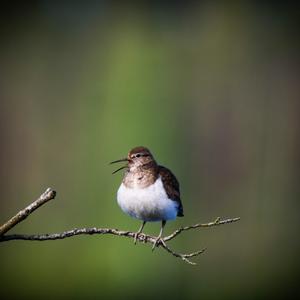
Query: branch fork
x,y
50,194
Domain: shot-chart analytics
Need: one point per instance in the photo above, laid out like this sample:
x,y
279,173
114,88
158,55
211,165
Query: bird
x,y
149,192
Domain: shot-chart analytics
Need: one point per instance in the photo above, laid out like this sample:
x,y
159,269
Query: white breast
x,y
148,204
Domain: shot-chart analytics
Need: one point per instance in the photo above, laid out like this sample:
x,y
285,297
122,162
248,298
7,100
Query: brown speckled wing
x,y
171,186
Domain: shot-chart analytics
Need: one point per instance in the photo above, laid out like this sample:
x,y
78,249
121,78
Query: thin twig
x,y
217,222
184,256
49,194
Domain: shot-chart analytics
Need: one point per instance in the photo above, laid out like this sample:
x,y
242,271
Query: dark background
x,y
212,88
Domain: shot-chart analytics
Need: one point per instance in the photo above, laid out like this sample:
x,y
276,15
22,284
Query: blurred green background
x,y
211,88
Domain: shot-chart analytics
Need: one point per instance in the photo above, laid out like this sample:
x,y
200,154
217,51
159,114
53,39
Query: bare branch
x,y
50,194
184,256
217,222
129,234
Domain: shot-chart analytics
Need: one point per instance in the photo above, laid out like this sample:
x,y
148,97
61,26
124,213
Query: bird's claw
x,y
157,242
137,236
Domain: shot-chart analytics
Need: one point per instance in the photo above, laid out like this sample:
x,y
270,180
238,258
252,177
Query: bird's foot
x,y
143,237
158,241
136,235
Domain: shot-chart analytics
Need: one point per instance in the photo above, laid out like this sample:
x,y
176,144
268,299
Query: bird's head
x,y
137,157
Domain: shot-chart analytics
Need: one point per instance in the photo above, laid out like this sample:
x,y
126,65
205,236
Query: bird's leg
x,y
158,239
139,231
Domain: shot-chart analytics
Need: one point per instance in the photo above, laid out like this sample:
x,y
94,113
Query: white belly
x,y
148,204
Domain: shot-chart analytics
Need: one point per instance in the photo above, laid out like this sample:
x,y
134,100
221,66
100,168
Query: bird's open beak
x,y
119,160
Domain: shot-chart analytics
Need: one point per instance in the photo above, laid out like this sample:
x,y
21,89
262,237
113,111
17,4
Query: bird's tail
x,y
180,211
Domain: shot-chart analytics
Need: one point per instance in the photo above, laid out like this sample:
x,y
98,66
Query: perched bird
x,y
148,192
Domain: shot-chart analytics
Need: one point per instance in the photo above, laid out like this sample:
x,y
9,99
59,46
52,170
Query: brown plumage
x,y
171,186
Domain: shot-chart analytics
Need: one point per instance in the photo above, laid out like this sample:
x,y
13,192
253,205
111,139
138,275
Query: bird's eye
x,y
138,155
